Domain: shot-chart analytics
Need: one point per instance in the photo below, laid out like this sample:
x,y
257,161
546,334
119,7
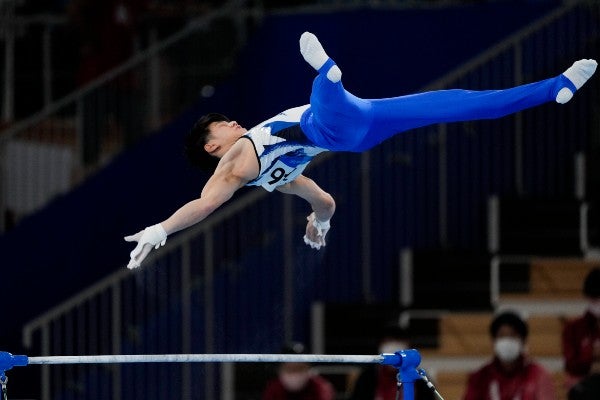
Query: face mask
x,y
294,381
508,349
392,347
594,308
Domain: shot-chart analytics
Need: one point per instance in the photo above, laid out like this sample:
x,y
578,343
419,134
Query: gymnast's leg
x,y
394,115
336,120
341,121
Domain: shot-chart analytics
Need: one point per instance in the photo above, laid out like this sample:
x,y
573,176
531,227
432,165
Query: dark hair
x,y
591,285
196,139
511,319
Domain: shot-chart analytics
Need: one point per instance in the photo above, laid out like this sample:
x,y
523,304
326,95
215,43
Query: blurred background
x,y
435,230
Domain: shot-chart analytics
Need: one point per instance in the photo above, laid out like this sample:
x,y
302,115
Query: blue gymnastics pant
x,y
339,121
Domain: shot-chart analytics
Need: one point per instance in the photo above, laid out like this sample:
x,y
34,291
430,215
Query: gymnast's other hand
x,y
153,236
315,232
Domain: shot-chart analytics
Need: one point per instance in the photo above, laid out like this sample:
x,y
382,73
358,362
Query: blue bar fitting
x,y
7,361
406,362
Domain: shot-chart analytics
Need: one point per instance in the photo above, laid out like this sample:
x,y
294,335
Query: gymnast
x,y
274,153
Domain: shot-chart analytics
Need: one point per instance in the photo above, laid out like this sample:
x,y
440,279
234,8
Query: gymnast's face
x,y
222,136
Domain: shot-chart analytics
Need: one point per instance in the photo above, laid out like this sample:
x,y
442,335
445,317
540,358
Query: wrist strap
x,y
322,226
161,231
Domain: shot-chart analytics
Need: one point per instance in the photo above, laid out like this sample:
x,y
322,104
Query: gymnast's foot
x,y
578,74
314,54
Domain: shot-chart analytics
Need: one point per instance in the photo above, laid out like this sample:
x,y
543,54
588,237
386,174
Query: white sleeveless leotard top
x,y
282,149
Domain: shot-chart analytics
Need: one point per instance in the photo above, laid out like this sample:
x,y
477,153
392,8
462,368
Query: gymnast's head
x,y
209,139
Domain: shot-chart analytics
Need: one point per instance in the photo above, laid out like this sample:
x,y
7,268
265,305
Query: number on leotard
x,y
277,175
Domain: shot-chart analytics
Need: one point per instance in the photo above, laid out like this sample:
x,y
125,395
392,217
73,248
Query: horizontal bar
x,y
183,358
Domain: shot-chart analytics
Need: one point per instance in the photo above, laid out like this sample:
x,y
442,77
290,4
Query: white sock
x,y
314,54
334,74
578,74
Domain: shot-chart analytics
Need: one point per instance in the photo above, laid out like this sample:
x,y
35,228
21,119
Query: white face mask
x,y
392,346
507,349
294,381
594,308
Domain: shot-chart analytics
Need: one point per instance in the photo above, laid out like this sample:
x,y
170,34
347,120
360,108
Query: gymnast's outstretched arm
x,y
235,169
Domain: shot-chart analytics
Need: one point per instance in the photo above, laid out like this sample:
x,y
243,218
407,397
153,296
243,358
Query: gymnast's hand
x,y
315,232
153,236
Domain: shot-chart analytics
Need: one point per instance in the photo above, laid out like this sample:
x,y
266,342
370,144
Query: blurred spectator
x,y
511,374
589,387
581,336
297,381
380,382
107,30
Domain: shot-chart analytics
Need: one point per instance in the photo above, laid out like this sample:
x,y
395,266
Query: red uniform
x,y
317,388
578,338
530,381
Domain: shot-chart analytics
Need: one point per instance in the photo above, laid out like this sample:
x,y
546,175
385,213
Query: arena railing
x,y
48,154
